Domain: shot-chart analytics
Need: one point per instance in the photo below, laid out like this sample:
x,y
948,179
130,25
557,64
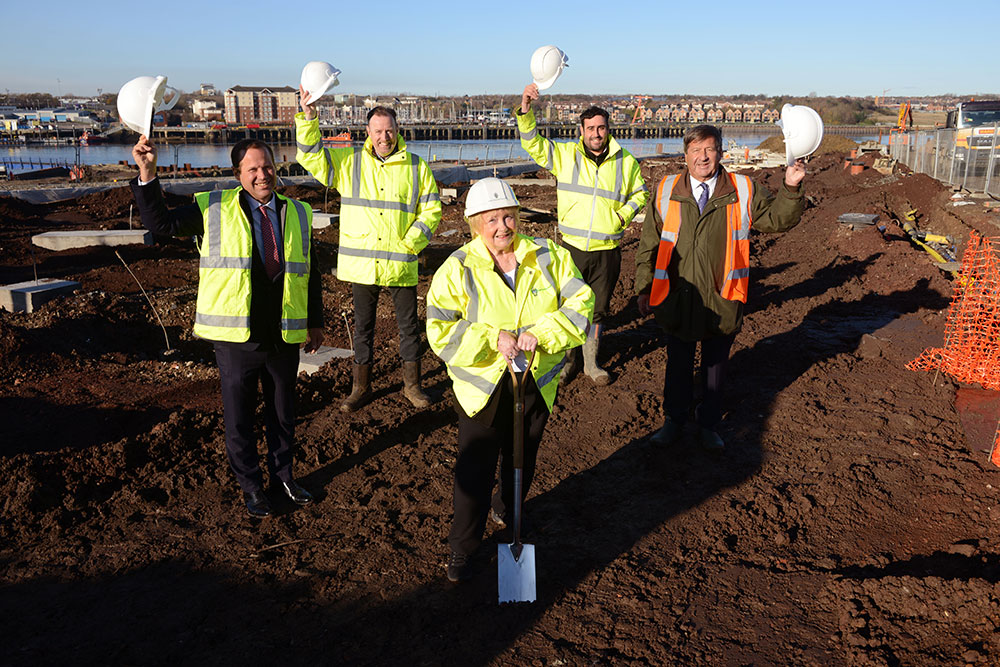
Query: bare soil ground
x,y
849,522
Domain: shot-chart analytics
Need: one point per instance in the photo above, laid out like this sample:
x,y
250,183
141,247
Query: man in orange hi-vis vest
x,y
692,271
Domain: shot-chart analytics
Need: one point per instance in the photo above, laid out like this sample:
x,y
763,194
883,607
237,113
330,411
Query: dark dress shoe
x,y
298,495
257,503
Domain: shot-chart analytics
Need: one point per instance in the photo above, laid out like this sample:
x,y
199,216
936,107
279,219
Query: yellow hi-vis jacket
x,y
469,304
588,196
223,309
388,210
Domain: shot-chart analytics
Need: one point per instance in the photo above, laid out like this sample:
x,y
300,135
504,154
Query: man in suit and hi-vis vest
x,y
692,271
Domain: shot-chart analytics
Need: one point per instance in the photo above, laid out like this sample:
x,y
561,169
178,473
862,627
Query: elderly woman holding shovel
x,y
503,301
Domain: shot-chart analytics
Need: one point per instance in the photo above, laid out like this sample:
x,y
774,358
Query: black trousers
x,y
600,270
366,303
479,446
678,381
274,368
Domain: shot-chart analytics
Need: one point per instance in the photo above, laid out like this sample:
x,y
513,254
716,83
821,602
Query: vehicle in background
x,y
976,126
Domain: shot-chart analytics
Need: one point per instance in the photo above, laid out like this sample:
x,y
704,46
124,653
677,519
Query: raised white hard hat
x,y
547,63
143,96
803,130
489,194
317,78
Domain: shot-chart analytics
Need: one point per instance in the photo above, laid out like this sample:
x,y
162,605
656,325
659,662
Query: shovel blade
x,y
516,576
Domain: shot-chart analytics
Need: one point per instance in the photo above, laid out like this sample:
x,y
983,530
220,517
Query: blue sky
x,y
703,48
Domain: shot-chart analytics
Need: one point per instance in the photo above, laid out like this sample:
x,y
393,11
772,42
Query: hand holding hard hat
x,y
547,63
317,78
803,130
142,97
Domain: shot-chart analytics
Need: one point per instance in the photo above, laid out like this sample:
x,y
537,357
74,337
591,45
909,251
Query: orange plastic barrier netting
x,y
971,351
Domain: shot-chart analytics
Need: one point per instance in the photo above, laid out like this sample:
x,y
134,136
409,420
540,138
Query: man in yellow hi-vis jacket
x,y
389,209
600,190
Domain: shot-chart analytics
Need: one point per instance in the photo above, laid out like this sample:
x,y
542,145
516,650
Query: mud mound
x,y
831,143
12,208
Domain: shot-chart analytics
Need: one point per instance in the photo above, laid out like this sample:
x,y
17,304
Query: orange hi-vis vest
x,y
737,268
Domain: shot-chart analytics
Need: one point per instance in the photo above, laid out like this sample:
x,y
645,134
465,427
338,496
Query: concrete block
x,y
86,239
310,363
26,297
324,220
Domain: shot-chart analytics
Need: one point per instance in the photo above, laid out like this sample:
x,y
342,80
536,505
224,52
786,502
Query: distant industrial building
x,y
261,104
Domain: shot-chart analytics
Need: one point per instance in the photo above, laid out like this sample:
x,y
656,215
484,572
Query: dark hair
x,y
702,132
240,150
383,111
595,111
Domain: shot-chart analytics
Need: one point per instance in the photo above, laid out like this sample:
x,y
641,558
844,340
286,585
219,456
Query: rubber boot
x,y
590,348
362,389
411,385
572,365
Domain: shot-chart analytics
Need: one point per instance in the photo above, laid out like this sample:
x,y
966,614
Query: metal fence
x,y
958,157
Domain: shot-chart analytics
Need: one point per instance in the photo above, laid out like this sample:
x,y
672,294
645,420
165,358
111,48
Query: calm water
x,y
204,155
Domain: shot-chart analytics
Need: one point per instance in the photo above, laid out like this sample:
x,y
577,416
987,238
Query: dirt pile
x,y
831,143
847,522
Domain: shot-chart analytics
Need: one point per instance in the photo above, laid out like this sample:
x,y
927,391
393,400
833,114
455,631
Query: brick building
x,y
261,104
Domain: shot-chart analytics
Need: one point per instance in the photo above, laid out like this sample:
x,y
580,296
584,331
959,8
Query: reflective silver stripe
x,y
304,229
242,263
471,291
223,321
668,189
446,315
309,148
293,324
594,235
668,236
744,193
423,228
741,235
376,203
213,228
576,169
548,158
297,267
449,350
377,254
356,175
583,189
632,205
619,161
552,374
572,286
635,192
329,169
521,330
482,384
434,196
581,321
660,274
460,255
529,135
415,192
738,273
544,259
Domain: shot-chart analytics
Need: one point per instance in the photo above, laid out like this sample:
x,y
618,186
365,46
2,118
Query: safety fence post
x,y
937,148
990,163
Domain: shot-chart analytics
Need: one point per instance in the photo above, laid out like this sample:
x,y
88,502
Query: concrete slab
x,y
551,182
323,220
89,238
26,297
310,363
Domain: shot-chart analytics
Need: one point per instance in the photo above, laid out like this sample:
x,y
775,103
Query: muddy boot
x,y
572,365
411,385
362,389
590,348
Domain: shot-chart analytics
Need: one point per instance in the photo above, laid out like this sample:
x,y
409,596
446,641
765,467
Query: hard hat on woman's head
x,y
803,130
547,63
143,96
489,194
317,78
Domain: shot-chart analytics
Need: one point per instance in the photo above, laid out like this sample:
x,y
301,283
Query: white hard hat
x,y
803,130
547,63
489,194
143,96
317,78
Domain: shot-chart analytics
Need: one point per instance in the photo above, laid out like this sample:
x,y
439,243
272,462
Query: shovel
x,y
516,562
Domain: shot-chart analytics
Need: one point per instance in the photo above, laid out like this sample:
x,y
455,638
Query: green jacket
x,y
694,309
596,202
388,209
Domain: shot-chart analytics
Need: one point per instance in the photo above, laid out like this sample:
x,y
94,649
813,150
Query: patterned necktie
x,y
703,197
272,263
